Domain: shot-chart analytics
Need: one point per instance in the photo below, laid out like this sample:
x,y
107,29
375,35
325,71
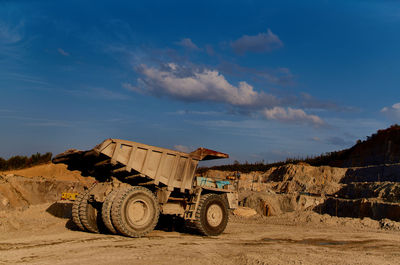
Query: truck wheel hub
x,y
138,212
214,215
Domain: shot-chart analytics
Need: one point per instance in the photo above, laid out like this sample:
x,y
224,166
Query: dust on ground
x,y
42,235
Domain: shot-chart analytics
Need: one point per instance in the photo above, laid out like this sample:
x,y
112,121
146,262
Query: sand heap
x,y
39,184
50,171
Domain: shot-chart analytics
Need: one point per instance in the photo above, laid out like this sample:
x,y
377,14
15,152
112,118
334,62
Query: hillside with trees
x,y
382,147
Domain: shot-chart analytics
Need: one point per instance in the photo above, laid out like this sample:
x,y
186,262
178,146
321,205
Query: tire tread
x,y
197,223
75,211
116,210
106,211
83,214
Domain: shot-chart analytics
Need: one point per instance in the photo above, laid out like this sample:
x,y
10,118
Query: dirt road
x,y
45,239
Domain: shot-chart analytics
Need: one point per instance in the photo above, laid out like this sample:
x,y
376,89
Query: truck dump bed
x,y
172,168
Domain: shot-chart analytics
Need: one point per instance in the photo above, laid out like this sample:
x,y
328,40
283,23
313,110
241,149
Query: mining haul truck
x,y
135,183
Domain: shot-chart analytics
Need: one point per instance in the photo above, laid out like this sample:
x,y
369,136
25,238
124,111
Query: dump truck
x,y
135,183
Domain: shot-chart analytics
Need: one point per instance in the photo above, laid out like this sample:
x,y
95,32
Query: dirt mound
x,y
35,217
39,184
322,220
50,171
308,179
18,191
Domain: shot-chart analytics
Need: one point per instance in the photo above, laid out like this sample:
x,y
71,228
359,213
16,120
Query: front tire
x,y
211,216
135,212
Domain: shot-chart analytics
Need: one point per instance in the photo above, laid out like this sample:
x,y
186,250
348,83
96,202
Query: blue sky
x,y
260,80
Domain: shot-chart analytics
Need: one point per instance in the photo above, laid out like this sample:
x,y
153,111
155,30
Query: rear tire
x,y
212,215
89,215
135,212
75,211
106,211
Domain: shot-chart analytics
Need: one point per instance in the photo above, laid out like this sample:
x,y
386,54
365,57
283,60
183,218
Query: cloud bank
x,y
292,116
199,84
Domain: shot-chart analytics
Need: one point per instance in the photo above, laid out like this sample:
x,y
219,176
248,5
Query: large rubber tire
x,y
106,211
211,216
135,212
89,215
75,211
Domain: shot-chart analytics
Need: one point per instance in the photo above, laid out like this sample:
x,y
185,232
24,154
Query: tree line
x,y
19,162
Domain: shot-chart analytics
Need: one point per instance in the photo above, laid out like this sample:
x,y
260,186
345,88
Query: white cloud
x,y
392,111
188,44
182,148
292,116
196,84
62,52
263,42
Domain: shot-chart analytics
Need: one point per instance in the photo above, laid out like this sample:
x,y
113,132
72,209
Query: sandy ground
x,y
34,236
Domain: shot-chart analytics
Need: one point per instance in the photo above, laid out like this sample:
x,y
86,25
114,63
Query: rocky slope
x,y
371,191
